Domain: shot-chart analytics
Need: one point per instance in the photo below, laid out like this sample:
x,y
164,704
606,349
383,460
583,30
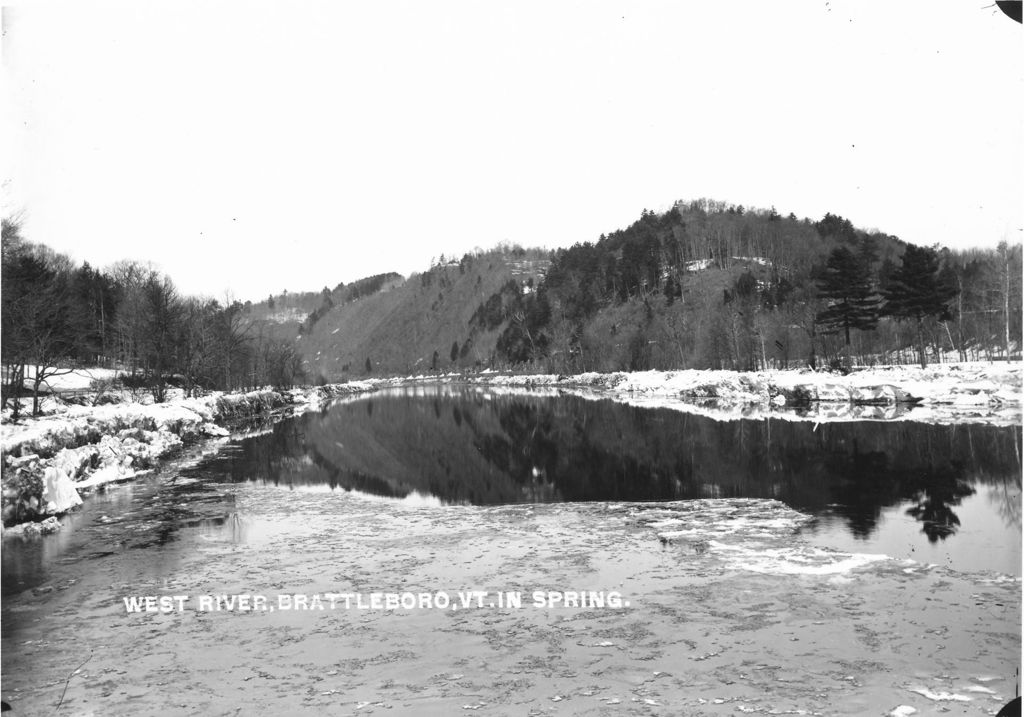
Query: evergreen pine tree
x,y
918,289
852,302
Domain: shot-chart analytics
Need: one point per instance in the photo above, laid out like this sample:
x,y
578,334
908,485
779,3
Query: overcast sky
x,y
256,147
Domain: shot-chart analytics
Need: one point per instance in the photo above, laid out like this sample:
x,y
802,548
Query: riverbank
x,y
49,461
944,393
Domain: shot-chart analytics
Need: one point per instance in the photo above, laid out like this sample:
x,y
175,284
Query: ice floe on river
x,y
746,534
706,631
800,560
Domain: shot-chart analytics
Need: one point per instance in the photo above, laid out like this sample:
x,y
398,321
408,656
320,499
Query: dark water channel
x,y
949,495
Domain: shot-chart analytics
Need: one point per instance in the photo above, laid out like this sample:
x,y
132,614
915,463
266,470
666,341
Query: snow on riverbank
x,y
941,392
48,460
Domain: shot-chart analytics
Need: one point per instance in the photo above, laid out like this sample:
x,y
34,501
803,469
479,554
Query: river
x,y
842,568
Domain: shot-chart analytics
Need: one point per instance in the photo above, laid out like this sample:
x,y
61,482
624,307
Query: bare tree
x,y
163,316
37,330
1009,274
234,335
197,350
130,277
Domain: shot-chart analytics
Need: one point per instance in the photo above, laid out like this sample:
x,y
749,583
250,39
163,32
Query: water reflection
x,y
944,494
939,491
469,446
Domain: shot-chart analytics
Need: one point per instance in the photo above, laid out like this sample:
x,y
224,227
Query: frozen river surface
x,y
711,567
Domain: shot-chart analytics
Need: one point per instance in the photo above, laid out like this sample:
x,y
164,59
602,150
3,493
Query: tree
x,y
163,313
233,337
803,306
835,226
454,354
743,301
281,363
369,366
129,278
198,343
670,291
919,289
93,306
846,285
38,329
1009,273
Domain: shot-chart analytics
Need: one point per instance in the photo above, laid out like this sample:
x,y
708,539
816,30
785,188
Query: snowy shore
x,y
945,393
48,461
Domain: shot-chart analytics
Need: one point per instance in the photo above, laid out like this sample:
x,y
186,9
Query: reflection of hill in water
x,y
469,447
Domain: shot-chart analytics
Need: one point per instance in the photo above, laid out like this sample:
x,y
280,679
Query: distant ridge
x,y
707,284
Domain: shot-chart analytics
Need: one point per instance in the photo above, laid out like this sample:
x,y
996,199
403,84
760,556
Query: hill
x,y
713,285
705,285
421,323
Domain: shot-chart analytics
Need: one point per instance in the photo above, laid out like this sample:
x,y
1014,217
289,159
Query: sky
x,y
248,148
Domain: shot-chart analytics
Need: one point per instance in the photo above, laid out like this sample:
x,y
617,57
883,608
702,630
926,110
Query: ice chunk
x,y
59,493
940,696
801,560
902,711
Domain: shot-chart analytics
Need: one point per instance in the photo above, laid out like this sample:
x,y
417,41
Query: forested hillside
x,y
447,318
712,285
704,285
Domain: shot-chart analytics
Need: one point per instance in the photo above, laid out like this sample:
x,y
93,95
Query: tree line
x,y
129,316
706,284
712,285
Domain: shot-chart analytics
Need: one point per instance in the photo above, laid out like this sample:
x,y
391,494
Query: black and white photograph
x,y
511,358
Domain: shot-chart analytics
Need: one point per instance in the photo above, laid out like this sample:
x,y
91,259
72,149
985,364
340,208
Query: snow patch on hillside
x,y
78,379
759,260
285,316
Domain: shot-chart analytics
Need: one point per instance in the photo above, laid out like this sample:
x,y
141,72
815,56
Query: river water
x,y
800,535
